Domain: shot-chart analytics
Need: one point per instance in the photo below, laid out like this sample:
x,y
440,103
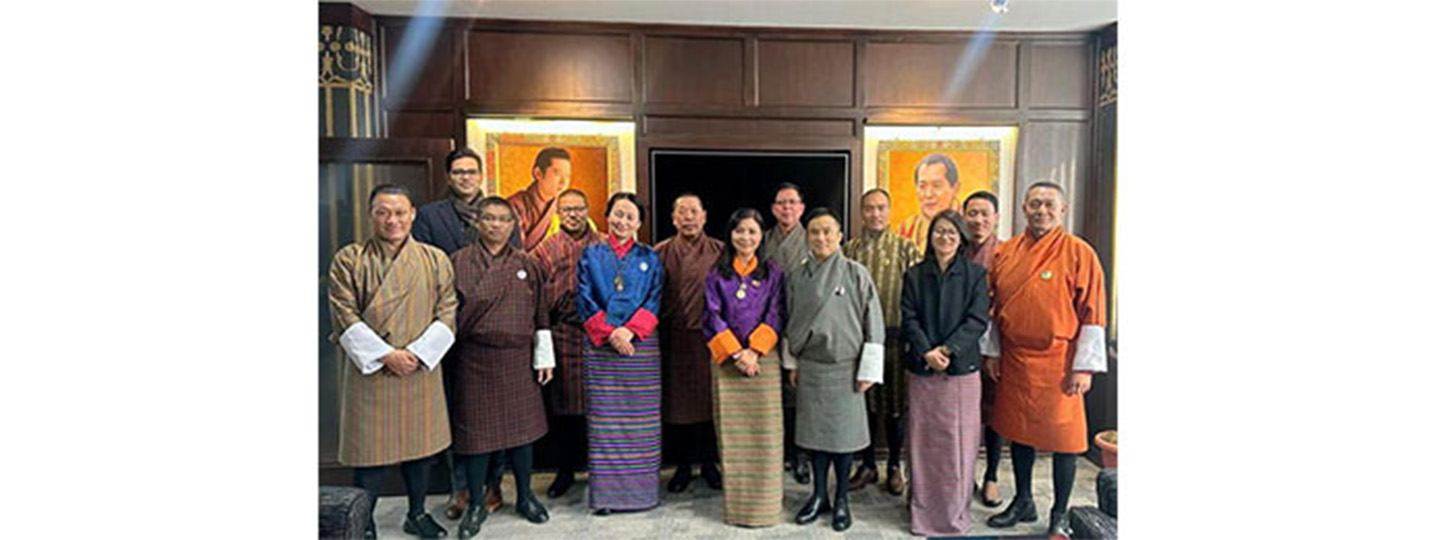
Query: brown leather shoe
x,y
895,481
863,476
493,501
456,506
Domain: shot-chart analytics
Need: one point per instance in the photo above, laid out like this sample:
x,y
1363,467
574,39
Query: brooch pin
x,y
1046,275
840,291
644,267
521,274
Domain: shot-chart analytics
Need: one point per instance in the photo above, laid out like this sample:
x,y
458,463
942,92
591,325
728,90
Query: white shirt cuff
x,y
990,341
431,345
1090,350
872,363
544,351
787,360
364,347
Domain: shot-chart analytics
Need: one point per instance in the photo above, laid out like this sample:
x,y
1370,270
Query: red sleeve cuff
x,y
642,323
598,329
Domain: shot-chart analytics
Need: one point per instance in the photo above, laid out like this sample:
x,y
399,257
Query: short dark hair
x,y
549,155
789,185
684,195
1050,185
952,173
495,201
954,218
465,152
725,265
819,212
635,199
873,191
391,189
994,201
573,191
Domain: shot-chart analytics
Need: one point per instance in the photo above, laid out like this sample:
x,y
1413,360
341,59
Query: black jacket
x,y
951,309
439,225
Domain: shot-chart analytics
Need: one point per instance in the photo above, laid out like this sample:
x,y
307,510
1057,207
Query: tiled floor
x,y
697,512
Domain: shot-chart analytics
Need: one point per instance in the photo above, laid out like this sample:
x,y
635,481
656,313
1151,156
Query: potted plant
x,y
1108,442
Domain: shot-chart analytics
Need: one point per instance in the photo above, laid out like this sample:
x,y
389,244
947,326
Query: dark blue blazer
x,y
439,225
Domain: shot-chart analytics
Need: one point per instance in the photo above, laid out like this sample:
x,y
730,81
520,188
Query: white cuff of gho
x,y
990,341
364,347
1090,350
872,363
544,351
787,360
430,347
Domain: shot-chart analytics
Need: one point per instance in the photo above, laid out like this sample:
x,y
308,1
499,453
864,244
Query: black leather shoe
x,y
424,526
531,508
1018,511
602,512
802,471
810,511
841,520
563,481
711,474
1059,525
470,522
989,503
681,481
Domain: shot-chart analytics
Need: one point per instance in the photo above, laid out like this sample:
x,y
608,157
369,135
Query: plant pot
x,y
1108,442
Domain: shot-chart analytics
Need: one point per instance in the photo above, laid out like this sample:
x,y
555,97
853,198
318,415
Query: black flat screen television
x,y
728,180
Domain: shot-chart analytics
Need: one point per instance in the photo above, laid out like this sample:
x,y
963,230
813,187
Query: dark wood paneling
x,y
514,67
660,125
806,73
403,124
961,74
1059,75
694,71
1056,152
346,15
434,84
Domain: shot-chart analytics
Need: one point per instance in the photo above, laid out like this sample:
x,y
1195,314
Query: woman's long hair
x,y
954,218
725,265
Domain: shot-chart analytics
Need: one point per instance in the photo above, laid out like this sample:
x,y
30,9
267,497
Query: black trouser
x,y
522,461
1023,459
993,443
417,480
894,437
570,441
692,443
822,462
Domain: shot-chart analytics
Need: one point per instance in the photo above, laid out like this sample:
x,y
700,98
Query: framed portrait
x,y
530,162
925,177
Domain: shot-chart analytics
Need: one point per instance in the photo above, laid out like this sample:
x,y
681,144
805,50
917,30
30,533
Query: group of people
x,y
758,351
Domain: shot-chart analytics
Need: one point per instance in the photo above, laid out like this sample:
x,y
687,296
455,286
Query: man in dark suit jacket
x,y
449,224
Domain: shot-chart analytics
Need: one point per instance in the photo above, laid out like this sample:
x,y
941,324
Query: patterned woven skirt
x,y
752,442
622,401
945,432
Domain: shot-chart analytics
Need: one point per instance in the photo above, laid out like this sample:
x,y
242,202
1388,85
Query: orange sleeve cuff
x,y
763,339
723,345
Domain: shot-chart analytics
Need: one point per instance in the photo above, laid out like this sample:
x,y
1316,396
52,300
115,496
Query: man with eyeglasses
x,y
565,398
450,224
785,243
1047,337
535,205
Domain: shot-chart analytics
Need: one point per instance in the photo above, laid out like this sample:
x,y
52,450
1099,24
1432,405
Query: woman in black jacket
x,y
944,308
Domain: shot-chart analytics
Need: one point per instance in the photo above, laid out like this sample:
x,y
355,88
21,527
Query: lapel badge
x,y
840,290
521,274
644,267
1046,275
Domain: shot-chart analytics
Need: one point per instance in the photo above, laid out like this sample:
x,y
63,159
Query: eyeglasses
x,y
947,232
573,209
464,172
788,201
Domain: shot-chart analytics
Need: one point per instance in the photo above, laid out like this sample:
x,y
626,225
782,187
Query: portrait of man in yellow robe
x,y
925,178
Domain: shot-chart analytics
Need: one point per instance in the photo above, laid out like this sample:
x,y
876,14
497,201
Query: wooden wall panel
x,y
1056,152
960,74
513,67
807,73
433,85
694,71
1060,75
660,125
422,124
